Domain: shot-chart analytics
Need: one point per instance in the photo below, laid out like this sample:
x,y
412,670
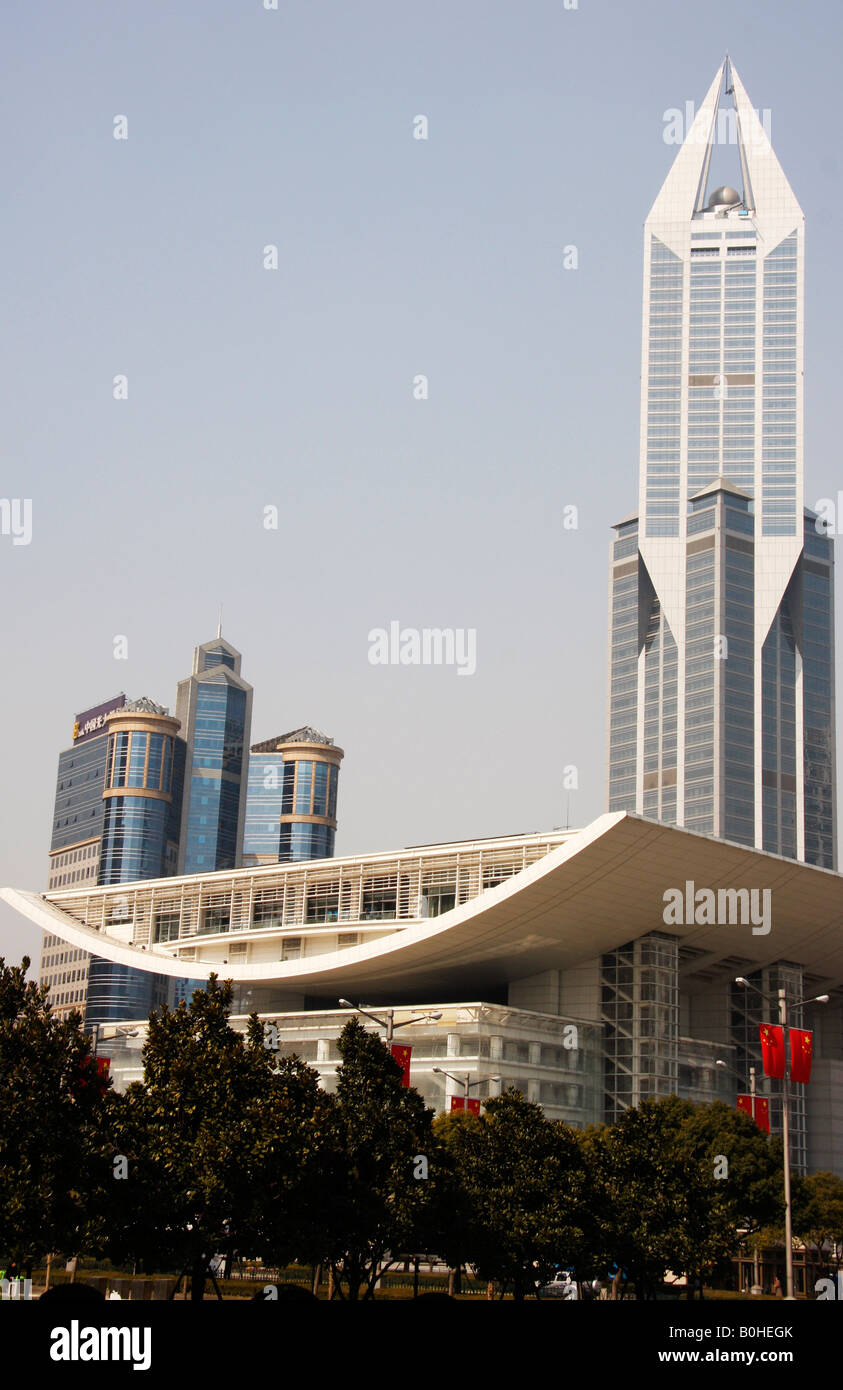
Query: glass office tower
x,y
142,797
142,793
116,819
291,810
722,617
214,707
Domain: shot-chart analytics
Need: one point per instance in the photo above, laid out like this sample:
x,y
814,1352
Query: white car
x,y
562,1285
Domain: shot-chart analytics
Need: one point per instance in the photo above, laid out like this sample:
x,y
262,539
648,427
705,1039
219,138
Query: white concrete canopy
x,y
602,887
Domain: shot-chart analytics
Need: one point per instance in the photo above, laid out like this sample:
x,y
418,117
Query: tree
x,y
390,1173
818,1217
526,1181
733,1180
216,1141
677,1181
55,1116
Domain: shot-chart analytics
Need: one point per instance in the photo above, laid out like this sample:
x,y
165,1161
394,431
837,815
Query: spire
x,y
730,128
219,623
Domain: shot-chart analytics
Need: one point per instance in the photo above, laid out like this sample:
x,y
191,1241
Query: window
x,y
167,926
379,899
215,919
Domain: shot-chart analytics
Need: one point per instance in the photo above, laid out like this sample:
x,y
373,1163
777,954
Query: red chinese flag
x,y
103,1068
460,1103
762,1113
772,1049
402,1055
745,1104
801,1055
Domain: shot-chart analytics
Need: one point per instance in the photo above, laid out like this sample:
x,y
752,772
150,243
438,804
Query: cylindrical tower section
x,y
311,768
141,793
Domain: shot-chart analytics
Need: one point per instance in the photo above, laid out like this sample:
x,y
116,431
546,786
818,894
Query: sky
x,y
438,504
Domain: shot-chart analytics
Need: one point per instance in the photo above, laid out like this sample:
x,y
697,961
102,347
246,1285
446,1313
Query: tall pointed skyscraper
x,y
722,613
214,708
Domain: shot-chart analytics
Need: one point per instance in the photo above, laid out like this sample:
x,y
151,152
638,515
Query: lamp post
x,y
756,1289
390,1024
788,1213
464,1081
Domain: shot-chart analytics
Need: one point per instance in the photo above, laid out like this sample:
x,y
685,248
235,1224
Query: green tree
x,y
677,1180
220,1140
818,1217
55,1116
528,1188
733,1181
390,1174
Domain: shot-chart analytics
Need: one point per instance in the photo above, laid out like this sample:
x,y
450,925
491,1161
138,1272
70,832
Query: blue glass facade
x,y
818,735
292,794
306,842
216,778
78,813
263,806
117,992
138,830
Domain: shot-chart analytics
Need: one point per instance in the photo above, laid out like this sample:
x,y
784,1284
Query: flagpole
x,y
756,1289
788,1214
786,1048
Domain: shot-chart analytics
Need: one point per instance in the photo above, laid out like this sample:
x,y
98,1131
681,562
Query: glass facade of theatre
x,y
216,777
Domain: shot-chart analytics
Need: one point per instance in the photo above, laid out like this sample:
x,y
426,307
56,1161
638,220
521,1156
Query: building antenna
x,y
219,623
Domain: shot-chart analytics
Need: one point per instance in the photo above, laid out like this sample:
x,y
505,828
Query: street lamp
x,y
756,1289
788,1214
390,1024
464,1081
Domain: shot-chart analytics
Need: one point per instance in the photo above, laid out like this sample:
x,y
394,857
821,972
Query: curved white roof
x,y
597,889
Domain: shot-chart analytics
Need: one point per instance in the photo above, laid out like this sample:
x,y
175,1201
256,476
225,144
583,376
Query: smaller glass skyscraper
x,y
116,819
291,812
144,775
214,708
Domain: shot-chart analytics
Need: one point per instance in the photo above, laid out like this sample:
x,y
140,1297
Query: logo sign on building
x,y
92,721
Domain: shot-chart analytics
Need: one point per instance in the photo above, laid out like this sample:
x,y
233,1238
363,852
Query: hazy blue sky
x,y
250,388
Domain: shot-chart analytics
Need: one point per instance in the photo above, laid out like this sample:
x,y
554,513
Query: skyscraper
x,y
116,819
291,811
721,657
214,708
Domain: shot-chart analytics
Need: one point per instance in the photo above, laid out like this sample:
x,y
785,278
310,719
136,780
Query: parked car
x,y
562,1285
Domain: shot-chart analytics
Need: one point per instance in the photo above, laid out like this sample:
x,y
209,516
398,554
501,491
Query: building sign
x,y
92,721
